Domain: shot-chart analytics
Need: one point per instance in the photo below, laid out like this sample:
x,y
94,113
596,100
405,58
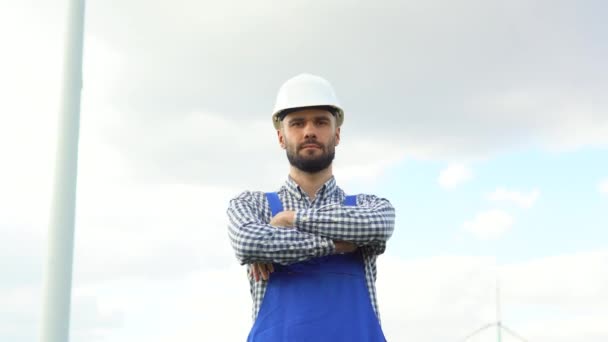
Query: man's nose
x,y
310,131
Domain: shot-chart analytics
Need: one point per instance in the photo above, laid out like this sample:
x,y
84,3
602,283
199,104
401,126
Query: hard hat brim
x,y
278,116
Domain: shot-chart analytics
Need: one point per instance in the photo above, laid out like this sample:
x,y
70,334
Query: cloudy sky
x,y
484,122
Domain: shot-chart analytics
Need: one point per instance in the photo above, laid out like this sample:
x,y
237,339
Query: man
x,y
310,249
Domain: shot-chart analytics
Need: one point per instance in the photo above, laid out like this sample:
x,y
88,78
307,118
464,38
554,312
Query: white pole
x,y
498,322
58,272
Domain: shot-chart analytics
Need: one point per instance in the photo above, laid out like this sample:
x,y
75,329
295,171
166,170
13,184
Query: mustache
x,y
310,142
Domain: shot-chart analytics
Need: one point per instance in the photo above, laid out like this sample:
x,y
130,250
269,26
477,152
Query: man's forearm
x,y
363,225
254,241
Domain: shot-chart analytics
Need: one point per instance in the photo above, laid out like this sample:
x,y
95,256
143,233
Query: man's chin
x,y
311,158
308,152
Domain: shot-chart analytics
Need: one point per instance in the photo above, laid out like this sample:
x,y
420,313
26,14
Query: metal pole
x,y
514,334
498,323
58,272
478,331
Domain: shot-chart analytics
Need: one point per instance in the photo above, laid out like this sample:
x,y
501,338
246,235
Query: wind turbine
x,y
58,273
498,323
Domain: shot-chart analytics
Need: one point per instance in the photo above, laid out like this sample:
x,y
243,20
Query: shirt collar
x,y
326,190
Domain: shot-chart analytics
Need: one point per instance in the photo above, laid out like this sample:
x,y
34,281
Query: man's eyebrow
x,y
292,119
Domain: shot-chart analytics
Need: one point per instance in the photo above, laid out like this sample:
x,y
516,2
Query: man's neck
x,y
310,183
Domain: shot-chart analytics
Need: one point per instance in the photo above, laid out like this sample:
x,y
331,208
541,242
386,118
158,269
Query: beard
x,y
312,164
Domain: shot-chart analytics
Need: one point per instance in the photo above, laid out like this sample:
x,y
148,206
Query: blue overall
x,y
321,299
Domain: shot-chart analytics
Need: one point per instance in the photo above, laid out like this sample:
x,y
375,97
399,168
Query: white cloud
x,y
189,103
603,186
91,319
454,175
19,312
153,231
416,296
215,149
178,108
210,304
575,281
519,104
589,327
489,224
28,114
522,199
364,161
457,293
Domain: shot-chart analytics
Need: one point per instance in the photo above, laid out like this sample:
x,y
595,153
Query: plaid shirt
x,y
368,225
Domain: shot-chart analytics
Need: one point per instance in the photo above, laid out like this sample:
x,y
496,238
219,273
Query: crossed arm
x,y
254,240
294,236
370,223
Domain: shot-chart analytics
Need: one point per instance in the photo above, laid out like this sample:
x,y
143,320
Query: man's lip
x,y
311,145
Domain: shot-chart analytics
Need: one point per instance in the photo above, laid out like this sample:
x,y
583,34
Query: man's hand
x,y
344,247
263,271
284,219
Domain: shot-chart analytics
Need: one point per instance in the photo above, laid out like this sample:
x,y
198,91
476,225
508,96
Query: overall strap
x,y
275,203
276,206
350,200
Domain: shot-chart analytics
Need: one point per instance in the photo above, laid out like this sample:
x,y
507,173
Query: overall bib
x,y
321,299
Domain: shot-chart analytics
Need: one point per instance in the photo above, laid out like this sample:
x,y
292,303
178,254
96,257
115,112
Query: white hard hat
x,y
303,91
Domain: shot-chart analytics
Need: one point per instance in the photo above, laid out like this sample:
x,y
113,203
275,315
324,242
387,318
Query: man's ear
x,y
281,138
337,136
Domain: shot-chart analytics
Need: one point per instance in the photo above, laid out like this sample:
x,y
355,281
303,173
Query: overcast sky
x,y
484,122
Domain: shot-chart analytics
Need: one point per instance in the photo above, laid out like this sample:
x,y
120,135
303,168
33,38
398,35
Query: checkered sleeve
x,y
254,240
370,223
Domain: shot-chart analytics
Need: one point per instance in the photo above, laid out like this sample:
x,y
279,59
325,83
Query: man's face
x,y
309,137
